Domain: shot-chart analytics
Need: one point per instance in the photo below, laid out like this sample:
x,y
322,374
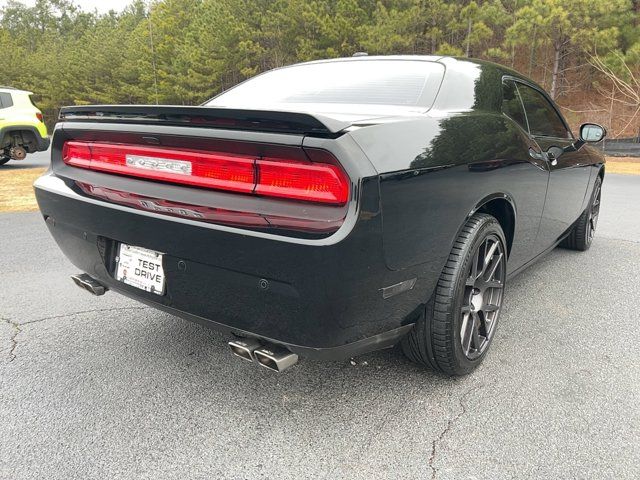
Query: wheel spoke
x,y
495,262
465,336
476,331
471,281
483,329
488,256
487,327
489,307
493,284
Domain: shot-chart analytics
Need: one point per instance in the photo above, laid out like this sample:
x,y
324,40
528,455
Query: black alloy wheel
x,y
594,211
483,297
581,236
458,323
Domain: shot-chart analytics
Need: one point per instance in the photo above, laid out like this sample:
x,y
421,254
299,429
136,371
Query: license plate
x,y
140,268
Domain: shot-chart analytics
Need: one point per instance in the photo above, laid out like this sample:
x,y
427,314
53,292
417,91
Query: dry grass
x,y
16,189
625,165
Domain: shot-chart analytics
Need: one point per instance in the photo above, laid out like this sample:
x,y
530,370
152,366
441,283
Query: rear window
x,y
5,100
364,82
35,100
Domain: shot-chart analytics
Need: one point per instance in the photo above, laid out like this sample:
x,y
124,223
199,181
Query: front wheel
x,y
455,329
582,234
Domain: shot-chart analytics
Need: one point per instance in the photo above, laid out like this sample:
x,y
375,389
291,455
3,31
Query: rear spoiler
x,y
207,117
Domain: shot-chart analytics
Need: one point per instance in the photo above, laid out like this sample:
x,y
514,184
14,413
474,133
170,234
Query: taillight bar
x,y
312,181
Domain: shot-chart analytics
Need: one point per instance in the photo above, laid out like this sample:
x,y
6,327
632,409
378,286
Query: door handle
x,y
536,155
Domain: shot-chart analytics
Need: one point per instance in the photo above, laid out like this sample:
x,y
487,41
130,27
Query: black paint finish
x,y
416,177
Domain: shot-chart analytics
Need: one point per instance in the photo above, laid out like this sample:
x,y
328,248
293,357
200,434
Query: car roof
x,y
365,58
460,75
421,58
444,59
14,90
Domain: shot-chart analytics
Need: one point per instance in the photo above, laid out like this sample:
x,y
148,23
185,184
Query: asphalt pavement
x,y
95,388
32,160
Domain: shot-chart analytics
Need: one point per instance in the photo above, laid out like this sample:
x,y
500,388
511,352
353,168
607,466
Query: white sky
x,y
102,6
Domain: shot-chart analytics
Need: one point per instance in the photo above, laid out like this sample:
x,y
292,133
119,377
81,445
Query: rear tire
x,y
581,235
455,328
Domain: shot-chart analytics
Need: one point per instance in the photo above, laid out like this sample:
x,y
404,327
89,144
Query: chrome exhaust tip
x,y
244,347
275,358
90,284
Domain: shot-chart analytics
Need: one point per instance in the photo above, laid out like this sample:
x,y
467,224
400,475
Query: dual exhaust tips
x,y
270,356
273,357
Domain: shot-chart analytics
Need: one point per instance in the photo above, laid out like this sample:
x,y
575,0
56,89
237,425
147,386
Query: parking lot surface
x,y
33,160
103,387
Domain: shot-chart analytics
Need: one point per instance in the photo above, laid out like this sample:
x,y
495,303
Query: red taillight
x,y
39,117
301,181
273,177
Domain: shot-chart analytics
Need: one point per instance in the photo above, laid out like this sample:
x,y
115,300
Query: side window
x,y
542,117
5,100
512,105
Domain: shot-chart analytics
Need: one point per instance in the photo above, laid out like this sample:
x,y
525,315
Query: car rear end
x,y
267,230
257,213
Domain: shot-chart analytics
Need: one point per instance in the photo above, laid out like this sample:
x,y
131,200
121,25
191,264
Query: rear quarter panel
x,y
435,172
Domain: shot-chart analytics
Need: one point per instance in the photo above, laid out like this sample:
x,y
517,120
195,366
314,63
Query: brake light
x,y
39,116
313,181
301,181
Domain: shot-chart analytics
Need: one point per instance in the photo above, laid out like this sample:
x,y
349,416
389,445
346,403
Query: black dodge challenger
x,y
330,208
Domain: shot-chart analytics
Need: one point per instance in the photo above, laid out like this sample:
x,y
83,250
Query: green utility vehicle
x,y
22,128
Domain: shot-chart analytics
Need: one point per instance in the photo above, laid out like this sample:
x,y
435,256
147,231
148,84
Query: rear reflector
x,y
311,181
251,220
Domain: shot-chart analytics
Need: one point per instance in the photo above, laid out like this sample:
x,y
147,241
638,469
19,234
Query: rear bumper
x,y
322,301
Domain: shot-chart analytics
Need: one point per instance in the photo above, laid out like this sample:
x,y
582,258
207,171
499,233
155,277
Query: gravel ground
x,y
108,388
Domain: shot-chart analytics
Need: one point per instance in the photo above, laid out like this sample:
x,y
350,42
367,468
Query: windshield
x,y
377,82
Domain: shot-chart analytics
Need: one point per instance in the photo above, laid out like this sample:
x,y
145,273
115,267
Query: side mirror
x,y
592,133
589,133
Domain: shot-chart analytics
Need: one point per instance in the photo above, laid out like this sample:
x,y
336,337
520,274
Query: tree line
x,y
585,52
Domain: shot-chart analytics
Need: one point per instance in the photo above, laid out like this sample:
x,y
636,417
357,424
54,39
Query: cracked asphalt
x,y
94,388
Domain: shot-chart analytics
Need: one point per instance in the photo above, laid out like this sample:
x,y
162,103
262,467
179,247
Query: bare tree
x,y
623,91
